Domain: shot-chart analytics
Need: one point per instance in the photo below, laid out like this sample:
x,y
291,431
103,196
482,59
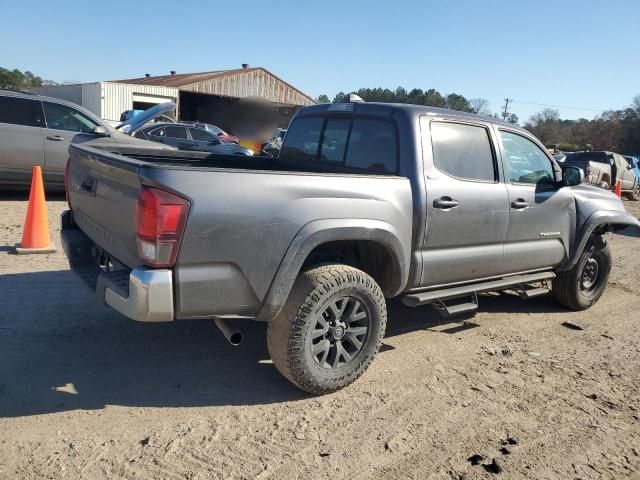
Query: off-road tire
x,y
568,286
289,335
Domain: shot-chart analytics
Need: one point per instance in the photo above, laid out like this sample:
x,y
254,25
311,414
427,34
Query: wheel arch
x,y
600,222
322,236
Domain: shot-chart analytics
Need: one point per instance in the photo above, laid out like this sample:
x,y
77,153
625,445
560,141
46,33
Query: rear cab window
x,y
356,142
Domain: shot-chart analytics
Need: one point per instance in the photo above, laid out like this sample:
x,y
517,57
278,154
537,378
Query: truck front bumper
x,y
143,294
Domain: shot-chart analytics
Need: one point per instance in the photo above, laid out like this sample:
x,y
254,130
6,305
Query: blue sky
x,y
563,52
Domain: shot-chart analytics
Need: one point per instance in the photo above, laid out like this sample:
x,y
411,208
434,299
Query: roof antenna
x,y
353,98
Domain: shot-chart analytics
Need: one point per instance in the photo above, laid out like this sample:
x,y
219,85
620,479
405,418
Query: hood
x,y
592,200
130,126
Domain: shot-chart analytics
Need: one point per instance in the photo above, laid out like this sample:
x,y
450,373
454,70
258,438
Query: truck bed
x,y
244,214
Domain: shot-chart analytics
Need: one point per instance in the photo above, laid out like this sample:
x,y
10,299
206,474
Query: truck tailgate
x,y
103,192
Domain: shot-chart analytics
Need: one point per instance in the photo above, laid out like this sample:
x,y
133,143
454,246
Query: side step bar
x,y
519,281
449,310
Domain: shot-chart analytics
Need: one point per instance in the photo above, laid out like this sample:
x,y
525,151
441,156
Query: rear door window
x,y
372,145
175,132
21,111
463,151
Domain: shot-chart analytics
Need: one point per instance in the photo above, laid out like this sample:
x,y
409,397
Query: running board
x,y
457,309
424,298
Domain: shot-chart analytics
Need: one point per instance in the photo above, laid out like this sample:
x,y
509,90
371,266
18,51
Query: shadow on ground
x,y
62,351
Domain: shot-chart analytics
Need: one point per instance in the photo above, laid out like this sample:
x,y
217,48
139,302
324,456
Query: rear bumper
x,y
142,294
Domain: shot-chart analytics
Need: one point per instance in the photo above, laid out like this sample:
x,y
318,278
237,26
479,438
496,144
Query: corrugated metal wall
x,y
91,98
257,83
71,93
118,97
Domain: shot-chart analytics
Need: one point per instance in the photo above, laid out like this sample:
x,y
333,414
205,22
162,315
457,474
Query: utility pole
x,y
506,108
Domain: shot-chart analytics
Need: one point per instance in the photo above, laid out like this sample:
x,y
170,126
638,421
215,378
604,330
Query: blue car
x,y
635,165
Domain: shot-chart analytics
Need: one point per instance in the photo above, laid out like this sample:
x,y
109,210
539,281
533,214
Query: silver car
x,y
37,131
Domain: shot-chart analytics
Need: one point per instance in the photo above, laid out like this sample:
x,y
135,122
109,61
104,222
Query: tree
x,y
17,80
546,126
416,96
341,97
323,99
513,118
401,95
458,102
433,98
480,106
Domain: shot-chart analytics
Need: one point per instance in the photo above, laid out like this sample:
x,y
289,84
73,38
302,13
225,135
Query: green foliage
x,y
617,131
416,96
17,80
323,99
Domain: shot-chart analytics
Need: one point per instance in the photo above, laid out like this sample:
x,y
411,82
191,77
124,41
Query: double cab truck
x,y
366,201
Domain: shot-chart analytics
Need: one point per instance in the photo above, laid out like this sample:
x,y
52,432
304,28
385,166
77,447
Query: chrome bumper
x,y
142,294
150,296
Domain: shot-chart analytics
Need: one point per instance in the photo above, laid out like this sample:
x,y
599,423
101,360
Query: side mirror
x,y
572,176
100,131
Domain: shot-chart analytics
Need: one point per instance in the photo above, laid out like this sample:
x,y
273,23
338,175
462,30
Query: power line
x,y
561,106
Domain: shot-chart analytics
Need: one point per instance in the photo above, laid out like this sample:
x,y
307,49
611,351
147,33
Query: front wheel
x,y
634,195
583,285
329,330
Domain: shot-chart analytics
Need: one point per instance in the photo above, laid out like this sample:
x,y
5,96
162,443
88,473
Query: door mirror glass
x,y
100,131
572,176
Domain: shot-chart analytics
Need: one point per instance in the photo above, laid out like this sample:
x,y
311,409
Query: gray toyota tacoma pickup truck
x,y
366,201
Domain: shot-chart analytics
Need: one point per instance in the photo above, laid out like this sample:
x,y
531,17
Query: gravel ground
x,y
510,393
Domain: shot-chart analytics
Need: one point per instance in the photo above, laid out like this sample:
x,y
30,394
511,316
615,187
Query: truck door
x,y
467,207
21,140
540,212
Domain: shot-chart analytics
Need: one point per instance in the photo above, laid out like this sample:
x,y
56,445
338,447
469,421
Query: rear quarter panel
x,y
241,224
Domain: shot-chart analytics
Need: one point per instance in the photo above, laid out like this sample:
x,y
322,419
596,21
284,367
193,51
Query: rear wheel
x,y
329,330
583,285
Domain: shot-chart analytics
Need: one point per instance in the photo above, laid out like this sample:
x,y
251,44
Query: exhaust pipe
x,y
233,335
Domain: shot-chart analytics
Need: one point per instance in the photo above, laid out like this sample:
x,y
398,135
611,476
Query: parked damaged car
x,y
185,136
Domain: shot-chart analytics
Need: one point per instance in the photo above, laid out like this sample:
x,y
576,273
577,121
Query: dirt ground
x,y
86,393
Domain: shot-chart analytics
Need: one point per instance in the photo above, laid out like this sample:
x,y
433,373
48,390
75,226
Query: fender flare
x,y
318,232
614,219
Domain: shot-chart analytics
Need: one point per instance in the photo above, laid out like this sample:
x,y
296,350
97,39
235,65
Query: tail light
x,y
66,182
160,220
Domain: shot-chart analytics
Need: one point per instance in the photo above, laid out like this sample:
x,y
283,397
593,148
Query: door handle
x,y
445,203
520,204
55,138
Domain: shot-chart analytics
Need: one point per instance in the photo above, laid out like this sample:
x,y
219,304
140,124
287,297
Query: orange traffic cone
x,y
35,237
618,188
